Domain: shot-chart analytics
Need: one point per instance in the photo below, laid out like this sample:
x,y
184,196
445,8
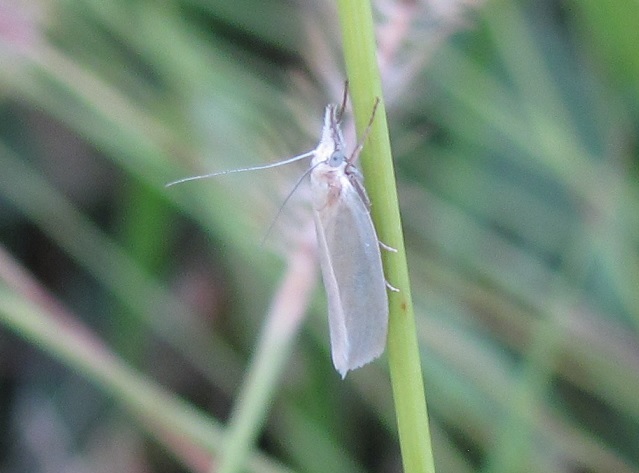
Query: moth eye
x,y
336,159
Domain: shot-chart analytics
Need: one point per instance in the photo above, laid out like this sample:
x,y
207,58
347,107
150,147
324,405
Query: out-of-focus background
x,y
514,127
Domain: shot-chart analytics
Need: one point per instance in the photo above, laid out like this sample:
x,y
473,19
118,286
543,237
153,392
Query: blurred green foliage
x,y
514,127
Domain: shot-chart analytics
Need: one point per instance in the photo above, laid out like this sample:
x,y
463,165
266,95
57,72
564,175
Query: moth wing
x,y
353,276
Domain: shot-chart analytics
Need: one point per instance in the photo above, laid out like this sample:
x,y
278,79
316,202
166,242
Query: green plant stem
x,y
358,37
287,312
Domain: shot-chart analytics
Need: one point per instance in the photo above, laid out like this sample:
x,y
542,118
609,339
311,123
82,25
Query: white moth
x,y
349,251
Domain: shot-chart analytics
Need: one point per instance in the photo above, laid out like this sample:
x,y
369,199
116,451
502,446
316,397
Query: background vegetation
x,y
141,324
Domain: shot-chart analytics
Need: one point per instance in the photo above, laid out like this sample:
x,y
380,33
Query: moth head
x,y
336,159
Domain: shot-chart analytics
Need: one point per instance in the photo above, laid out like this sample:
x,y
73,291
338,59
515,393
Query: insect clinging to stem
x,y
349,250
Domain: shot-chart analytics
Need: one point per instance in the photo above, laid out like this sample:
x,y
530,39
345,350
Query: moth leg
x,y
394,250
355,154
389,286
351,171
386,247
355,178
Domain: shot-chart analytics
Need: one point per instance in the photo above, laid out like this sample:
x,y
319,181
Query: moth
x,y
349,250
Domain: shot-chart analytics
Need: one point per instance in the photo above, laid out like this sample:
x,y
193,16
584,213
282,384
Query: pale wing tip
x,y
347,365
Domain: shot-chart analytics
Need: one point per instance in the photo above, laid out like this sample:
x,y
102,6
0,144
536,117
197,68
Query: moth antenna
x,y
288,197
342,107
233,171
